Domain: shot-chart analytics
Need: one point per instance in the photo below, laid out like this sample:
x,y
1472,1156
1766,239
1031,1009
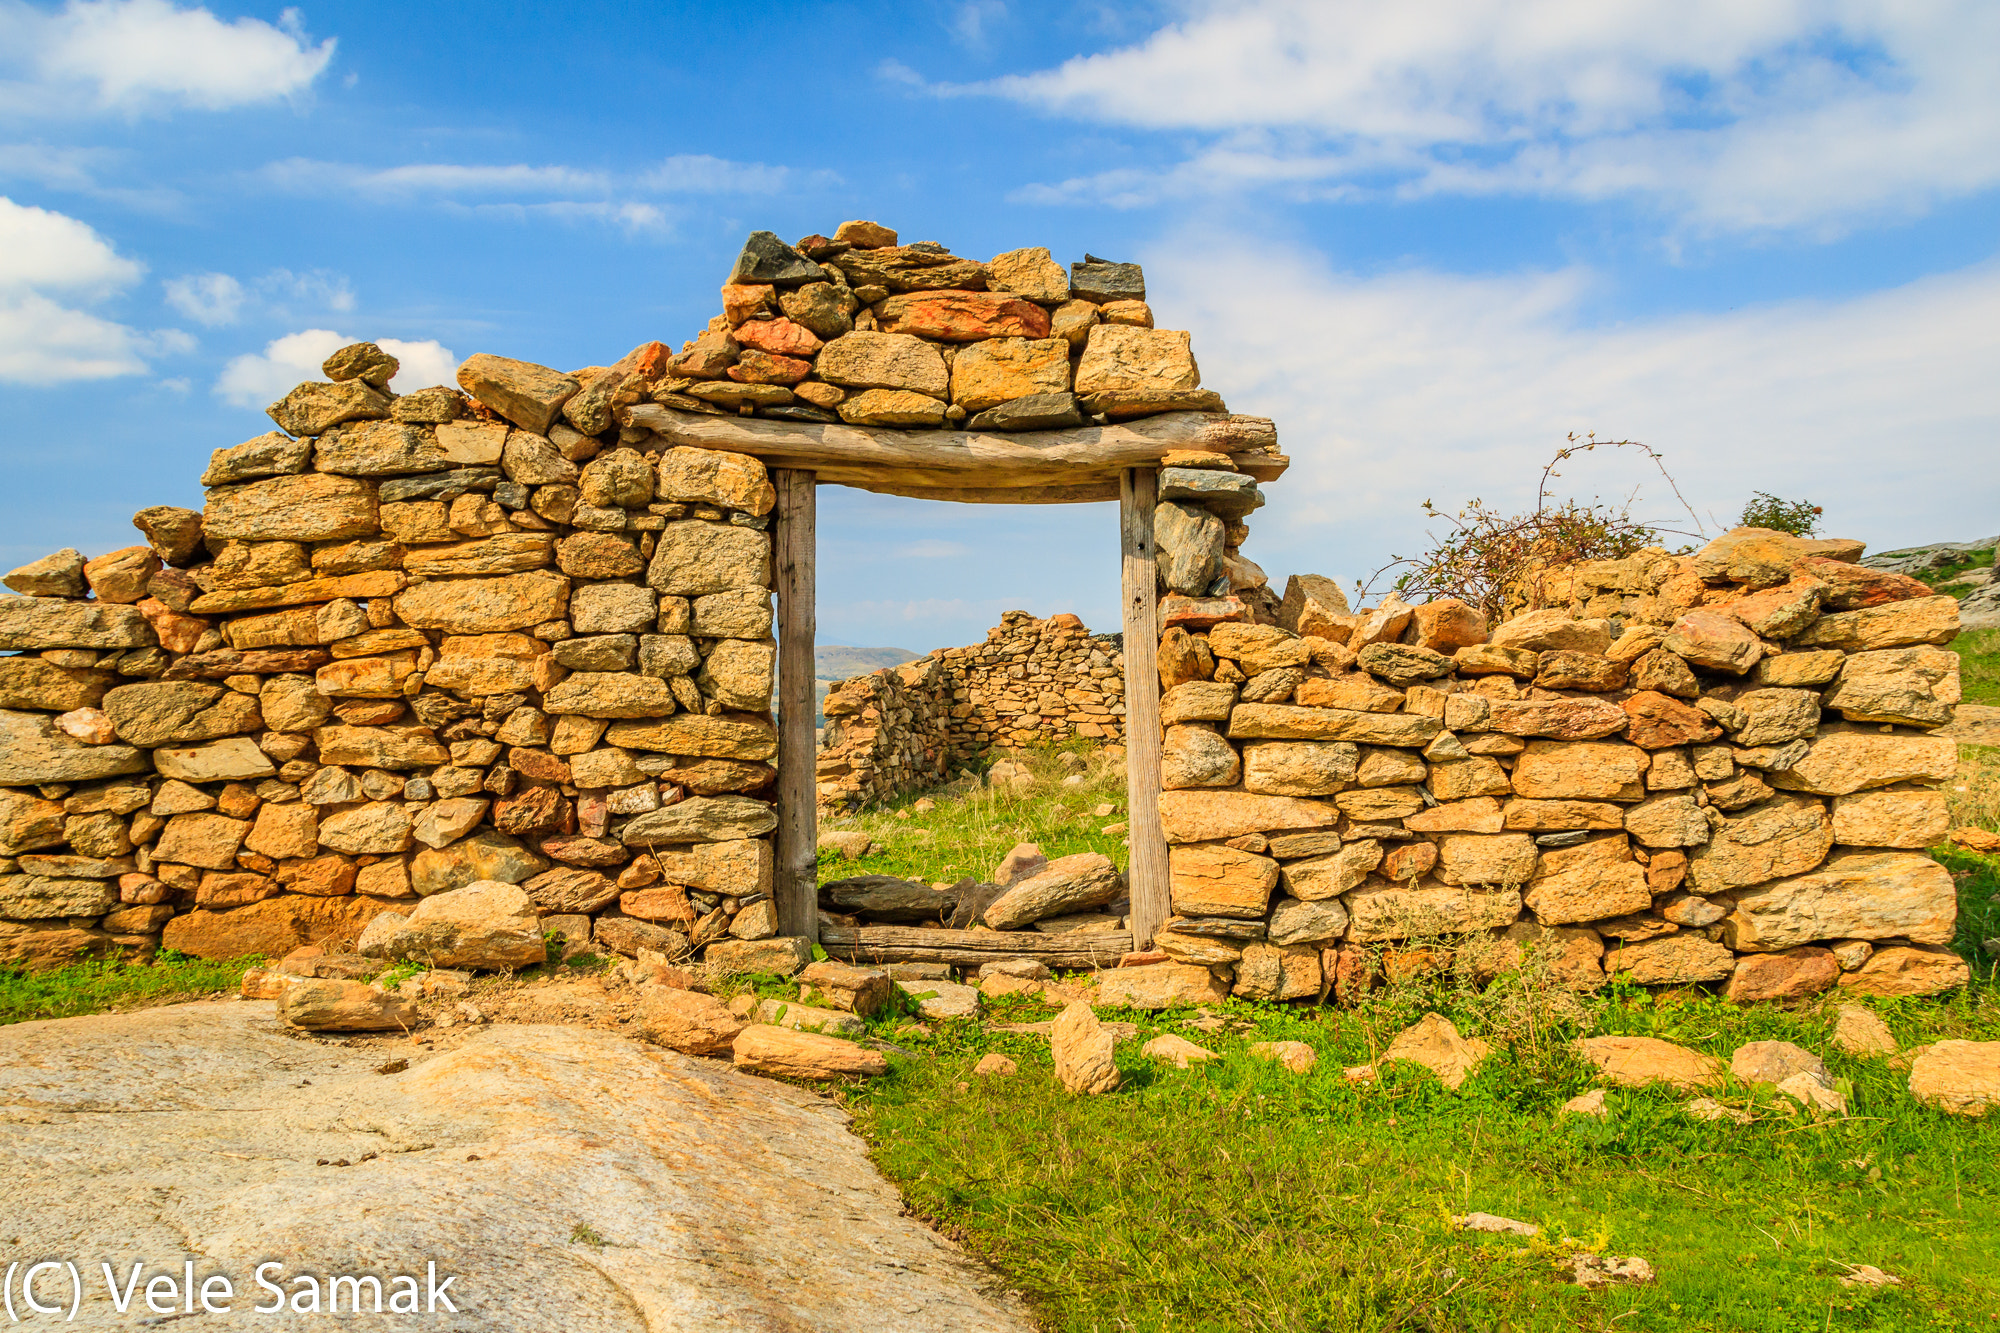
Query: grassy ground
x,y
93,988
1236,1195
1979,665
973,825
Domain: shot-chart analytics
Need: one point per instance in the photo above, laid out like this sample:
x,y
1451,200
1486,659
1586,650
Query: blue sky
x,y
1429,239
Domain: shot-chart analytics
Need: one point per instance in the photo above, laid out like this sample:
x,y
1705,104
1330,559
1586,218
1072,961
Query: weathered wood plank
x,y
1031,494
797,886
1146,873
1090,449
965,948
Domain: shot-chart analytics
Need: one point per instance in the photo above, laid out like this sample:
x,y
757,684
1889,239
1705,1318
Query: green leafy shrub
x,y
1798,517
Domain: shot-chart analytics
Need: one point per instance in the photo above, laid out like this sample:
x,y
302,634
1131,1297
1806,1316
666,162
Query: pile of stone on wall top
x,y
408,645
860,329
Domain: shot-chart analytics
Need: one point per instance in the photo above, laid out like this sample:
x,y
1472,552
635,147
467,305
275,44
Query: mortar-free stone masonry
x,y
518,633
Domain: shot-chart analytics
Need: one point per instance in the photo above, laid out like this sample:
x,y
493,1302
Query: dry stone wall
x,y
1716,769
1032,682
497,634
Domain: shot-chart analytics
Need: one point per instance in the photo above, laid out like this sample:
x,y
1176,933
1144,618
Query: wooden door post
x,y
797,887
1147,875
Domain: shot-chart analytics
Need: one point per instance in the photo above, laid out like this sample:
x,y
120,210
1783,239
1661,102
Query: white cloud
x,y
206,298
1389,390
933,550
48,251
1733,114
43,340
254,379
150,55
570,194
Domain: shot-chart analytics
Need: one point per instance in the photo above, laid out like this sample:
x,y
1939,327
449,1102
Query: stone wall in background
x,y
1033,682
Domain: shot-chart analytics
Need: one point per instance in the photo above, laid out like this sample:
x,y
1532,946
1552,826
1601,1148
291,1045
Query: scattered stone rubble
x,y
1033,682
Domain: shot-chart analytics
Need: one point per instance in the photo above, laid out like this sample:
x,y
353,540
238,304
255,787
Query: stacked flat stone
x,y
858,328
1718,768
409,644
1032,682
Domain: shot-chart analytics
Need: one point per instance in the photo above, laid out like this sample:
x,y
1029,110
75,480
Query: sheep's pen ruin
x,y
522,633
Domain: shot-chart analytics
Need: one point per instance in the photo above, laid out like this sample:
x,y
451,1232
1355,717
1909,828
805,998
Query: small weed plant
x,y
1798,517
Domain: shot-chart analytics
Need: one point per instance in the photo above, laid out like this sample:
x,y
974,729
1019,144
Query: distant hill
x,y
835,662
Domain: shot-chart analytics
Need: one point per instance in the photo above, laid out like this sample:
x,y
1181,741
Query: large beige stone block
x,y
1787,835
869,360
1296,723
521,391
482,664
1119,358
1895,625
310,507
1842,761
1294,768
710,476
1473,858
1855,895
1193,755
986,374
1912,819
695,557
485,605
1213,816
1580,770
1379,911
1913,687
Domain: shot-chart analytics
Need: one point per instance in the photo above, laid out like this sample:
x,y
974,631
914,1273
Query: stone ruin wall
x,y
1032,682
1714,769
498,632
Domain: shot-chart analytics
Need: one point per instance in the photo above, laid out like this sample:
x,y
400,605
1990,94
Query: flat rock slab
x,y
723,1201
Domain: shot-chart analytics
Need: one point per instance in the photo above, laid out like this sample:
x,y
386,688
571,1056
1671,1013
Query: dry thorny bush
x,y
1486,556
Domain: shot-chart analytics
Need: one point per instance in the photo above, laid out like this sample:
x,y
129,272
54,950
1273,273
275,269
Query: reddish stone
x,y
1851,587
962,317
779,337
668,902
1200,612
648,360
755,367
219,889
1658,722
534,810
327,876
273,927
1411,860
255,662
176,632
1144,958
1790,975
578,850
538,765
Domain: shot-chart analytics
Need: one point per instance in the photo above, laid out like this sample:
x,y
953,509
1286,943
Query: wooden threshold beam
x,y
968,948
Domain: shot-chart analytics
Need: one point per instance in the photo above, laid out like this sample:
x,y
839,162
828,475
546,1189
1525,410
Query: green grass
x,y
974,824
1946,573
89,988
1239,1196
1979,665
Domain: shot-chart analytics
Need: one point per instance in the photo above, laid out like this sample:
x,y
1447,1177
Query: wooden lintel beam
x,y
1090,449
